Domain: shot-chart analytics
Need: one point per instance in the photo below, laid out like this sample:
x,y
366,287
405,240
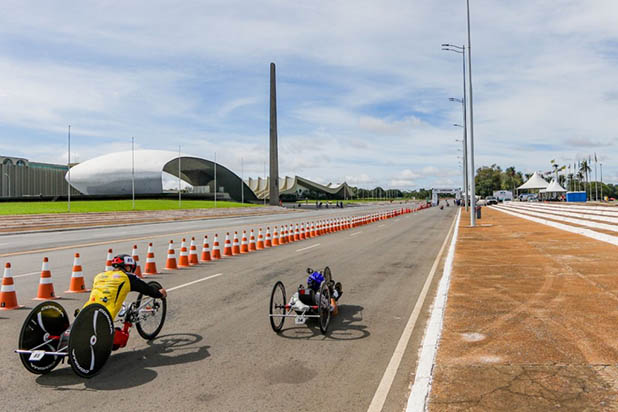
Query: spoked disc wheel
x,y
277,306
327,275
45,320
324,307
90,340
150,314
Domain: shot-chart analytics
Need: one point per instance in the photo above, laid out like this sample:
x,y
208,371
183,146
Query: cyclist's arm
x,y
138,285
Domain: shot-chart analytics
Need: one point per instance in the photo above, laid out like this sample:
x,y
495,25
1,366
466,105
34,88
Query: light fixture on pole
x,y
465,166
179,168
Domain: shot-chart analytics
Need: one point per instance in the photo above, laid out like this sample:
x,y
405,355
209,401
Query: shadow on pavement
x,y
132,368
344,326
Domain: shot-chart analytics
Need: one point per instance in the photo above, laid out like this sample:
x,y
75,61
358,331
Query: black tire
x,y
277,298
152,317
324,307
47,318
91,340
327,275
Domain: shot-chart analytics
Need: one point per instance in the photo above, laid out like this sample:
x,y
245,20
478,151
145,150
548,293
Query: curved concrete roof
x,y
291,186
110,174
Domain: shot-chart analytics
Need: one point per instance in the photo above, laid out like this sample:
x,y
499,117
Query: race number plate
x,y
300,320
36,355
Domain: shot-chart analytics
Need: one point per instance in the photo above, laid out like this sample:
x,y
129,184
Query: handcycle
x,y
47,337
302,305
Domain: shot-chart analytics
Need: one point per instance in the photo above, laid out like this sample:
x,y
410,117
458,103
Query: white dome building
x,y
111,174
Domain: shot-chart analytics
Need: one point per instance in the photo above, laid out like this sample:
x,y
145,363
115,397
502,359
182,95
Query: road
x,y
217,351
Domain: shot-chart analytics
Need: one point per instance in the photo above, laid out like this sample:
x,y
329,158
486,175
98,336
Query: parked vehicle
x,y
491,200
503,195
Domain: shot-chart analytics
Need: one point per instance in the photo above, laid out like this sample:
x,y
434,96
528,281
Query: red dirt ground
x,y
531,322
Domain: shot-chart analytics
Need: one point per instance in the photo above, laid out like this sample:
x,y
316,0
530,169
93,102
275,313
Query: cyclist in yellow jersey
x,y
112,287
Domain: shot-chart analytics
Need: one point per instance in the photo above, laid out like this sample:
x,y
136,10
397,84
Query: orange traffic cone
x,y
301,235
170,263
252,246
138,267
216,251
269,241
193,253
8,297
283,237
235,245
46,287
227,246
205,251
260,240
312,232
77,278
244,246
275,237
296,237
108,261
151,264
183,260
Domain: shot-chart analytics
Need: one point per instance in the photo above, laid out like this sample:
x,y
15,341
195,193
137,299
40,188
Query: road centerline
x,y
194,282
308,247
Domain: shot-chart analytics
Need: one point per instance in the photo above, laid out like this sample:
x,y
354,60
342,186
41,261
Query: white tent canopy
x,y
554,187
535,182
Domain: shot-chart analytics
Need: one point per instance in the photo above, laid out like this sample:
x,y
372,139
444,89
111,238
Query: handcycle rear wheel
x,y
324,307
90,340
327,275
152,316
45,320
277,306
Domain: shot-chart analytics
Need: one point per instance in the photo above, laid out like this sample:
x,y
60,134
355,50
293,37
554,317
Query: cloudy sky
x,y
363,86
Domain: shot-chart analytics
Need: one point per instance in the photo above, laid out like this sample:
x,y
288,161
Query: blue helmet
x,y
314,281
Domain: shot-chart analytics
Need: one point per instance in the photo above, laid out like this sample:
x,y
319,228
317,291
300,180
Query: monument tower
x,y
274,159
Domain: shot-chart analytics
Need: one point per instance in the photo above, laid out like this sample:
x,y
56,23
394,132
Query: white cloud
x,y
363,86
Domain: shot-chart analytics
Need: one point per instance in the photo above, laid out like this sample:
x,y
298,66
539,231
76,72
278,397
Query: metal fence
x,y
26,182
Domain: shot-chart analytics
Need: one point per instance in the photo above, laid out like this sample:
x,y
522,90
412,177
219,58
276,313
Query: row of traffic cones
x,y
189,256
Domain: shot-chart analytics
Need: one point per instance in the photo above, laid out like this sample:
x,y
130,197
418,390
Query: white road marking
x,y
422,378
357,233
380,225
308,247
26,274
194,282
377,403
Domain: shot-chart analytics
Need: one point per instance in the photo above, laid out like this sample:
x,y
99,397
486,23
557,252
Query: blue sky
x,y
363,86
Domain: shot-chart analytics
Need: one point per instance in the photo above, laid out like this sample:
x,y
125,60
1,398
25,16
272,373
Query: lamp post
x,y
8,179
462,50
69,167
465,165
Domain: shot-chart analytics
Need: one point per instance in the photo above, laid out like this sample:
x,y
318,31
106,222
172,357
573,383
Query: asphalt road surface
x,y
217,351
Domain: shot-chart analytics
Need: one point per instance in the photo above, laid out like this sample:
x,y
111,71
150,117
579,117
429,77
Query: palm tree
x,y
584,169
510,172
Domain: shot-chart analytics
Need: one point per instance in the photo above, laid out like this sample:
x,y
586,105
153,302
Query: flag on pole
x,y
595,156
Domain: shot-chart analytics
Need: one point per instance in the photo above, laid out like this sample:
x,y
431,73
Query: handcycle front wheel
x,y
324,307
91,340
45,320
151,313
277,306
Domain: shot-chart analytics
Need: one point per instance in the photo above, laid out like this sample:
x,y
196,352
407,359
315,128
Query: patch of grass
x,y
82,206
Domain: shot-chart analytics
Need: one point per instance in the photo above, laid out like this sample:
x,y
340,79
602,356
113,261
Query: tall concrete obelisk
x,y
274,157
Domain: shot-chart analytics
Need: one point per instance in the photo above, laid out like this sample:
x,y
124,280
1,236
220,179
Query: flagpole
x,y
596,188
601,165
215,180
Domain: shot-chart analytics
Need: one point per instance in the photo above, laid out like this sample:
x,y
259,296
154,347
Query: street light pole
x,y
242,185
69,167
133,170
472,183
215,180
462,50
